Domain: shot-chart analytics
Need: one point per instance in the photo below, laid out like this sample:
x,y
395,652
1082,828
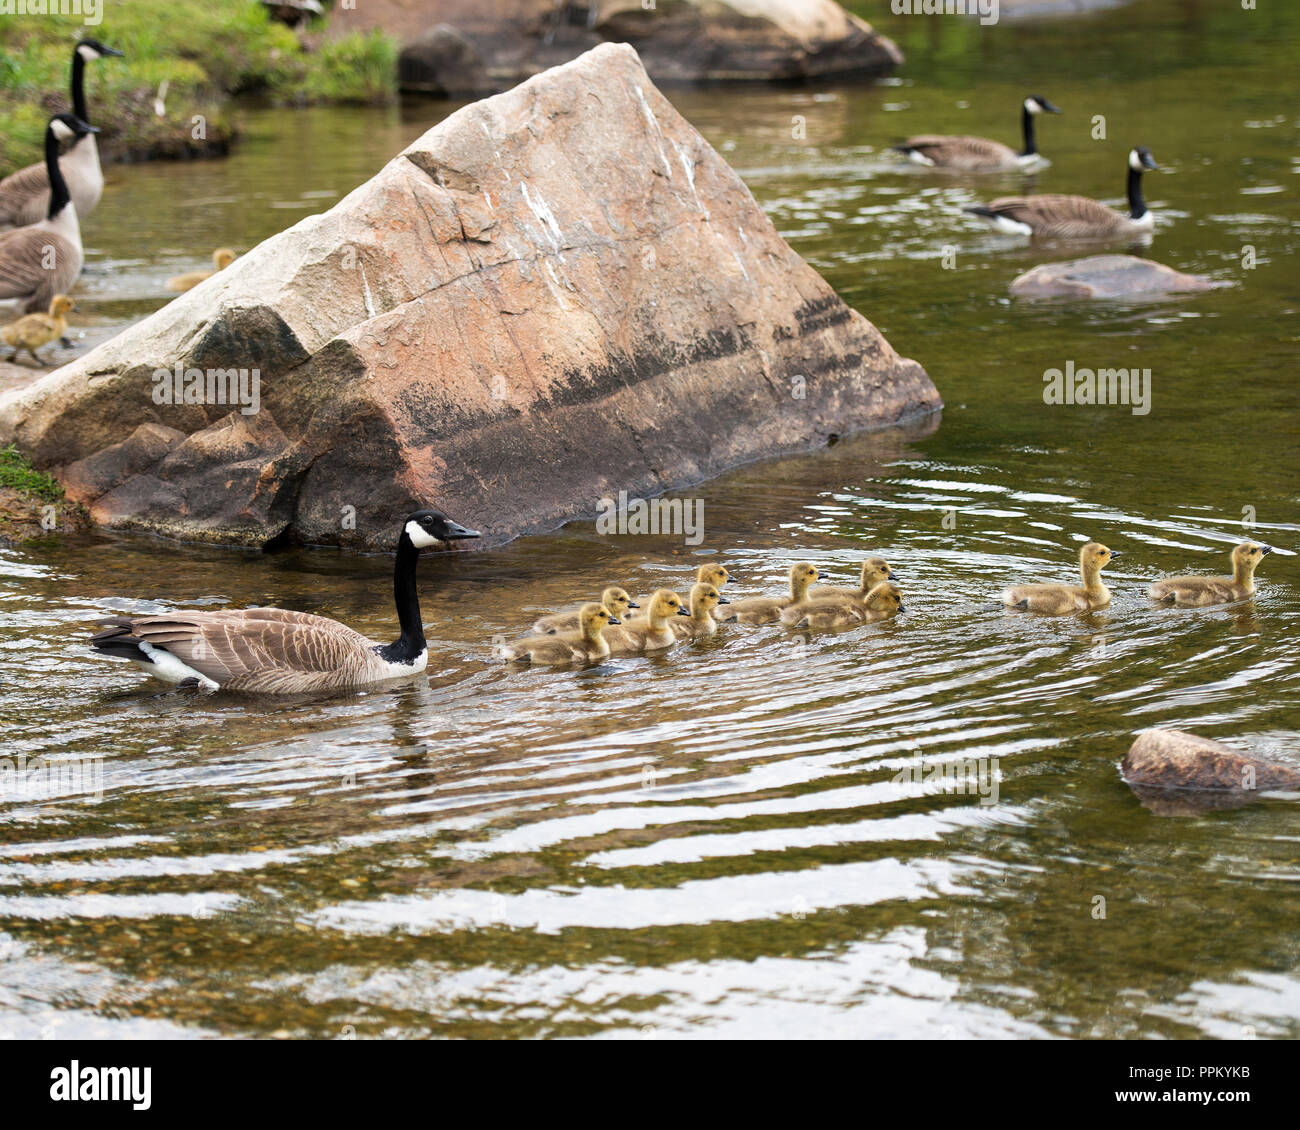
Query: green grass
x,y
207,50
18,474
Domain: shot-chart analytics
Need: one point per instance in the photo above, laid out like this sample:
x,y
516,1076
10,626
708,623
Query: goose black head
x,y
1140,158
428,527
70,127
1037,104
92,49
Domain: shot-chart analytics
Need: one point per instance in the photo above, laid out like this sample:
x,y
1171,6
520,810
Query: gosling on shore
x,y
35,331
1196,592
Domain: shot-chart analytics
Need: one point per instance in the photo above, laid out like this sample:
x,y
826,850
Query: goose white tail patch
x,y
919,158
163,664
420,537
1006,226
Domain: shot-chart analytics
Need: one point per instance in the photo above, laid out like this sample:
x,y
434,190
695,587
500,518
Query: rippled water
x,y
713,842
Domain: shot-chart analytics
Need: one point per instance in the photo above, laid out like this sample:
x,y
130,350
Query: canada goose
x,y
25,195
1056,600
585,644
1192,592
35,331
1073,217
222,257
979,154
884,600
274,651
874,570
650,632
704,600
764,609
44,259
614,599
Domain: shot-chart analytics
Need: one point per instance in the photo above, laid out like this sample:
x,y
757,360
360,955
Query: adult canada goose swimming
x,y
274,651
1056,600
222,257
614,600
44,259
35,331
651,631
765,609
883,601
584,645
1193,592
979,154
25,195
701,622
1073,217
874,570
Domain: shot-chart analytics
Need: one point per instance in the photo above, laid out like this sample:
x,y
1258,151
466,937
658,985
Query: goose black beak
x,y
1149,162
902,608
112,51
1046,105
1265,550
615,620
633,604
453,531
723,600
683,612
1114,555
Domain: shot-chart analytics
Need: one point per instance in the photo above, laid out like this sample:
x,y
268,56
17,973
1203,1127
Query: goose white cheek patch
x,y
61,131
420,537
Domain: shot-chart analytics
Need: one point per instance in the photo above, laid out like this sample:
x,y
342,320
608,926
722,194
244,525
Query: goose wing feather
x,y
962,152
22,271
24,196
1063,216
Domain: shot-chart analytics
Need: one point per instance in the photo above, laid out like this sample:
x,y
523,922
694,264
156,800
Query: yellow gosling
x,y
715,575
883,601
765,609
586,645
222,257
874,570
1057,600
1195,592
614,600
650,632
705,599
35,331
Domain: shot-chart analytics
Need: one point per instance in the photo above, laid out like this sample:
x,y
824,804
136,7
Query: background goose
x,y
1073,217
25,196
979,154
222,257
44,259
274,651
1195,592
35,331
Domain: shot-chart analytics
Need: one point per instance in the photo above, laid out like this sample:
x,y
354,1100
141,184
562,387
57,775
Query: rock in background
x,y
468,47
553,295
1105,276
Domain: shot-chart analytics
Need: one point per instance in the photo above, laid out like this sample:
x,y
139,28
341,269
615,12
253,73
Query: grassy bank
x,y
26,499
206,51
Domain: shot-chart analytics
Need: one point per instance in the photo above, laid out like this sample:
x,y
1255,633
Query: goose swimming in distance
x,y
1074,217
25,195
614,600
765,609
650,632
222,257
1057,600
1196,592
585,644
979,154
275,651
704,600
884,600
44,259
874,570
35,331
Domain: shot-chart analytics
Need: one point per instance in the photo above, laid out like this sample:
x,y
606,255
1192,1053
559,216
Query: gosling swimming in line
x,y
874,570
883,601
614,600
765,609
585,645
1196,592
704,601
1057,600
35,331
650,632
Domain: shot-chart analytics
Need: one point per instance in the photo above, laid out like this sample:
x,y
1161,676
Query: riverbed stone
x,y
555,294
490,44
1175,759
1104,276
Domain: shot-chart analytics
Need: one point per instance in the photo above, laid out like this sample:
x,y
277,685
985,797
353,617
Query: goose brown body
x,y
1196,592
1058,600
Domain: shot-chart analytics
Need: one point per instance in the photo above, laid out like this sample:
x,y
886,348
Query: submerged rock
x,y
1176,773
553,295
1104,276
473,46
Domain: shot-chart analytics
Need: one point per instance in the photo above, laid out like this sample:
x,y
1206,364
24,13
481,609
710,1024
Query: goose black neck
x,y
79,85
58,186
411,641
1027,128
1137,207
